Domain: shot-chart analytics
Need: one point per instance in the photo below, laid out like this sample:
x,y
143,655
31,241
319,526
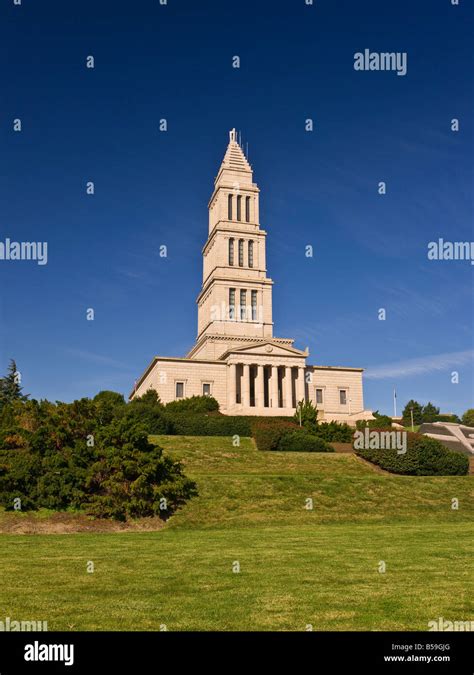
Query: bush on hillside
x,y
337,432
61,456
109,405
185,424
153,418
193,404
380,422
150,397
424,457
267,434
301,441
131,478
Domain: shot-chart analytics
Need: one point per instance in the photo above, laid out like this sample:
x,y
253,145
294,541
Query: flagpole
x,y
394,403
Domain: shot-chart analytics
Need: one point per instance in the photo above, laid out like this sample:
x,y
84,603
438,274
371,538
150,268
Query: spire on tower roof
x,y
234,158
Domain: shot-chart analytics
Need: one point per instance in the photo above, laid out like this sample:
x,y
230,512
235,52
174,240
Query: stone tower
x,y
235,302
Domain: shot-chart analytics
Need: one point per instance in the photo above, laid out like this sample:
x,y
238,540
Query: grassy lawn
x,y
297,566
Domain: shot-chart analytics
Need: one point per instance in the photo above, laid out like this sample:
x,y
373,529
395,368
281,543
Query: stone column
x,y
231,386
246,386
259,388
300,385
288,388
274,387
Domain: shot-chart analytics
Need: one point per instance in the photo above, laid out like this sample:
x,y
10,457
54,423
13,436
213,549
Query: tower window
x,y
342,396
241,252
179,389
229,207
319,396
247,209
206,388
231,303
250,253
239,207
254,305
231,251
243,300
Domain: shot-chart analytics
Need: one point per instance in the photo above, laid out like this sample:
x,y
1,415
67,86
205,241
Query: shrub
x,y
301,441
307,414
193,404
448,418
109,404
130,477
424,457
380,421
47,460
335,432
150,397
151,417
267,434
207,425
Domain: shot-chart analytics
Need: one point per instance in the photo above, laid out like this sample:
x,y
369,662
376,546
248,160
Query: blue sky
x,y
319,188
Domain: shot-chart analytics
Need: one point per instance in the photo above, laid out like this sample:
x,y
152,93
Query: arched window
x,y
229,207
250,253
239,207
247,209
241,252
231,251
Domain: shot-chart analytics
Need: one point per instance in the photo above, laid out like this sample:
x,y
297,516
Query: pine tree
x,y
417,413
10,388
306,415
430,412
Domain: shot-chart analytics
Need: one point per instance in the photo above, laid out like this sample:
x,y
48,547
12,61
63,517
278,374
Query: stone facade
x,y
235,358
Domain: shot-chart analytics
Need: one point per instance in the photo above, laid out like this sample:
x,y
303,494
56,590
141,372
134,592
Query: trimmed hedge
x,y
215,424
184,424
300,441
335,432
424,457
193,404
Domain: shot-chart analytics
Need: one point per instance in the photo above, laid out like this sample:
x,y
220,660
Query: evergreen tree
x,y
417,413
430,412
307,414
468,418
10,388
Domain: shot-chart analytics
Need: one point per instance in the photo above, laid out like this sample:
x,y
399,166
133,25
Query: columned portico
x,y
265,384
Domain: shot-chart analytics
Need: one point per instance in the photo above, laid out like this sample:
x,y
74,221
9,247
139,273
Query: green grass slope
x,y
298,567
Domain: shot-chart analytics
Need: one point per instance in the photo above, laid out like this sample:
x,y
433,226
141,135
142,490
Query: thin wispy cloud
x,y
98,359
420,366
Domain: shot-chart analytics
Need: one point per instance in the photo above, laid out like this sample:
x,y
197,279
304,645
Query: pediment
x,y
266,348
